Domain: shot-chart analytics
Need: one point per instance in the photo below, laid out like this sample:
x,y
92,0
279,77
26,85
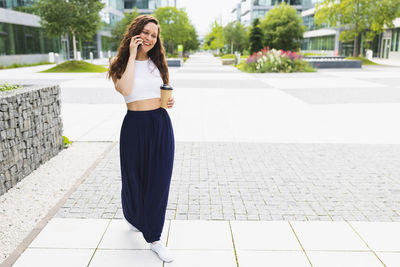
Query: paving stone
x,y
246,181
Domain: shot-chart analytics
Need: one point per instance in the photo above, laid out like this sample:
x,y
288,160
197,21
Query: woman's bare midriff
x,y
145,104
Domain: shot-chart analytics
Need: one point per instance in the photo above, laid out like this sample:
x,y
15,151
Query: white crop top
x,y
146,83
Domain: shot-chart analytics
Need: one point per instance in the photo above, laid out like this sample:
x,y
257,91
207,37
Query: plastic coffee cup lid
x,y
166,87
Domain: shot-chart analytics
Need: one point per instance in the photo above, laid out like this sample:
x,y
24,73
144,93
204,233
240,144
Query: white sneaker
x,y
162,252
131,227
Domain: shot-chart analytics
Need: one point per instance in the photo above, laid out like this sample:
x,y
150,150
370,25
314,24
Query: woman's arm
x,y
125,84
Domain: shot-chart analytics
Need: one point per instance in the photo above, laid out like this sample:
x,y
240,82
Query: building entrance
x,y
385,48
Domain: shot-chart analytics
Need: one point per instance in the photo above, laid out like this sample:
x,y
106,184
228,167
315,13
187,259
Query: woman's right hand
x,y
133,45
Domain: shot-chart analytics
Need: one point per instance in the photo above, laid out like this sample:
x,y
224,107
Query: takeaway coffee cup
x,y
166,93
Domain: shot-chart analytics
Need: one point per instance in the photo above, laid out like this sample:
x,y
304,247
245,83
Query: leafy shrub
x,y
170,55
66,141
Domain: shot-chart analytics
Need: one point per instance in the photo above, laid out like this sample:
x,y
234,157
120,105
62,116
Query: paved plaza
x,y
250,181
276,169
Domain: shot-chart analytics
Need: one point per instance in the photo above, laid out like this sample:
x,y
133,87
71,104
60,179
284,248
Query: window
x,y
319,43
395,46
140,4
262,2
20,39
4,45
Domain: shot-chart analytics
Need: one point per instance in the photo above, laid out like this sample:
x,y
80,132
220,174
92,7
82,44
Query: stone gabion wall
x,y
30,131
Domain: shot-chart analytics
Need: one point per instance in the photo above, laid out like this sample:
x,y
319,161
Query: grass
x,y
8,87
228,56
308,54
364,61
16,65
81,66
245,55
77,66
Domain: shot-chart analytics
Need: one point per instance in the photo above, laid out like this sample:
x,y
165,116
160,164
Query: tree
x,y
256,37
357,17
175,28
234,34
283,28
192,43
118,31
76,17
214,39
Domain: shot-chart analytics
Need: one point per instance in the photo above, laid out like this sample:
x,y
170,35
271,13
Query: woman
x,y
147,144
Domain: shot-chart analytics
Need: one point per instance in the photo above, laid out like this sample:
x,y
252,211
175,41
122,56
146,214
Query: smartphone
x,y
139,45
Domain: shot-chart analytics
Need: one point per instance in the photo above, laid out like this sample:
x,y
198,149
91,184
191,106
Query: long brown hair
x,y
156,54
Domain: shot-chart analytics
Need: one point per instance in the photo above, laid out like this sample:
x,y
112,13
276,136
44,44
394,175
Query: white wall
x,y
23,59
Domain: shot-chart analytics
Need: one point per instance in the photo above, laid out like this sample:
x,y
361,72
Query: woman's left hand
x,y
171,102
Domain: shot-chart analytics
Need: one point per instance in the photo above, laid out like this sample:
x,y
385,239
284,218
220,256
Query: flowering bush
x,y
274,60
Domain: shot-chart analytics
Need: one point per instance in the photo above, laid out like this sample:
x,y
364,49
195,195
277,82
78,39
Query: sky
x,y
203,12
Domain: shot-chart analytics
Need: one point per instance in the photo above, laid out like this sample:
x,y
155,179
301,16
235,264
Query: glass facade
x,y
15,4
259,13
395,45
275,2
85,47
262,2
346,49
319,43
147,4
141,4
238,12
310,24
246,19
19,39
307,4
106,44
375,46
308,21
260,8
328,43
116,4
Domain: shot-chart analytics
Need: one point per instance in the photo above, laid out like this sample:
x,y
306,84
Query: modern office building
x,y
101,45
322,39
325,39
236,13
22,40
147,6
247,10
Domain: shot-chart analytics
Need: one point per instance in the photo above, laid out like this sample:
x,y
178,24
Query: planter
x,y
228,61
175,62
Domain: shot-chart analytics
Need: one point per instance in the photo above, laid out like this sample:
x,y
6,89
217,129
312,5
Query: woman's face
x,y
149,36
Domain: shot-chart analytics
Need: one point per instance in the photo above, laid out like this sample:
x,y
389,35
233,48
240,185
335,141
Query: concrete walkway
x,y
216,103
108,242
271,169
389,62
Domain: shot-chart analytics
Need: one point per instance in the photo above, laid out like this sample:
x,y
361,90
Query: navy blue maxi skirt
x,y
147,147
